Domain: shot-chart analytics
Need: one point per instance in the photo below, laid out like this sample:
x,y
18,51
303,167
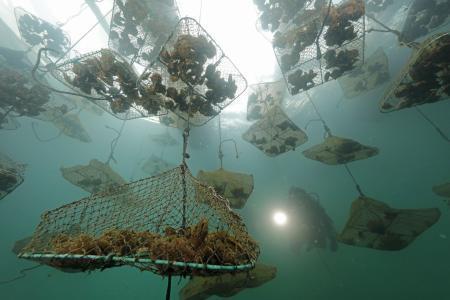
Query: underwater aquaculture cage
x,y
108,80
139,28
38,32
424,79
320,45
424,17
263,97
11,175
94,177
170,224
275,133
195,74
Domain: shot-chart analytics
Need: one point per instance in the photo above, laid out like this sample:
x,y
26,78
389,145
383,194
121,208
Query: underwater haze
x,y
366,216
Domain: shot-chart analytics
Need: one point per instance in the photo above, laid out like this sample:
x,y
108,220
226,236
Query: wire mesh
x,y
19,95
425,16
424,79
204,78
11,175
321,45
108,80
38,32
139,28
171,217
263,97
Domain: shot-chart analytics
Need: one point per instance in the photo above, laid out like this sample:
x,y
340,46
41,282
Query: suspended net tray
x,y
236,187
336,151
167,224
424,17
443,190
275,133
369,76
424,79
373,224
263,97
19,95
38,32
108,80
68,124
227,285
11,175
321,45
196,75
139,28
94,177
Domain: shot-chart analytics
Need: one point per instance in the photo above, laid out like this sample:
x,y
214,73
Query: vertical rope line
x,y
220,144
358,188
169,286
184,167
434,125
325,126
114,141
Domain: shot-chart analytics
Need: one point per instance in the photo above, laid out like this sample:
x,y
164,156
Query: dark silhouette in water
x,y
313,228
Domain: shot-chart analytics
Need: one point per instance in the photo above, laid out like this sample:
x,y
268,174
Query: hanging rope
x,y
325,126
83,36
319,52
399,35
169,286
114,142
200,12
221,142
358,188
434,125
22,275
186,133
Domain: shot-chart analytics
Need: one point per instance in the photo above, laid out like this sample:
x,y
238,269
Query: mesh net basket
x,y
108,80
263,97
337,151
199,78
275,133
374,224
38,32
94,177
425,16
424,79
139,28
11,175
167,224
321,45
369,76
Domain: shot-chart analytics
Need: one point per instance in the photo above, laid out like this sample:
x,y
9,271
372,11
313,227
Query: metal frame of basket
x,y
389,101
190,27
311,69
61,71
142,40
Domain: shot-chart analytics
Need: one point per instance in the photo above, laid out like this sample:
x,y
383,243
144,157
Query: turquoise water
x,y
412,159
